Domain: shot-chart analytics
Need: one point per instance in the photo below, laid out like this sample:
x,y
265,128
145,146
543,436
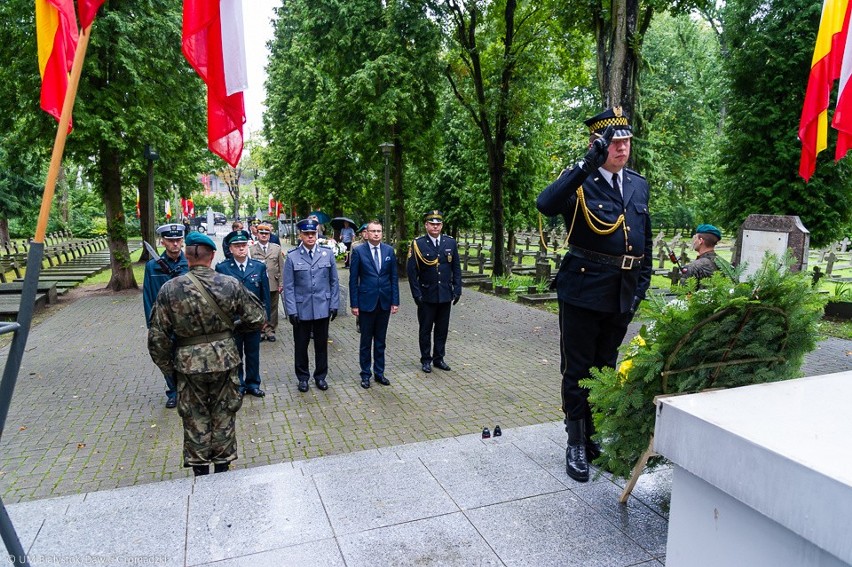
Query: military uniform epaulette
x,y
631,172
292,250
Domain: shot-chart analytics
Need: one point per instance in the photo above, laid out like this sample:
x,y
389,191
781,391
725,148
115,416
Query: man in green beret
x,y
192,337
704,242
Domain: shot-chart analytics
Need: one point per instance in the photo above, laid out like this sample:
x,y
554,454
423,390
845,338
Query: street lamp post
x,y
387,150
150,218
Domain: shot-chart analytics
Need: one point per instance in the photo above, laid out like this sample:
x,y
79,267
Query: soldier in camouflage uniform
x,y
704,242
191,335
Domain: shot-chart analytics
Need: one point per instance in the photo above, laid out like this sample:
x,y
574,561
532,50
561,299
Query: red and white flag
x,y
86,10
214,44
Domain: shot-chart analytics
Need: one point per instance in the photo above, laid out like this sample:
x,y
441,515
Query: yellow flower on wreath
x,y
636,343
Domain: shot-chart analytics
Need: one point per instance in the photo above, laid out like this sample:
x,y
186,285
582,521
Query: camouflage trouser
x,y
208,404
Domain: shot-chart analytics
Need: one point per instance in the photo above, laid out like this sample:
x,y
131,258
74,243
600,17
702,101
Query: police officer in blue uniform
x,y
605,273
311,300
252,274
170,264
434,275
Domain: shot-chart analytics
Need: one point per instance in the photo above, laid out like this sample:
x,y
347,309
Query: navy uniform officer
x,y
434,275
311,300
170,264
605,273
252,274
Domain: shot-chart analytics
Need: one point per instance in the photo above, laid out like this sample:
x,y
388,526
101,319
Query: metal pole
x,y
387,198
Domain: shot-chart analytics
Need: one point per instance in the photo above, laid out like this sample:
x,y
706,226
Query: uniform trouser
x,y
272,325
374,332
437,316
302,337
171,386
587,339
208,404
248,345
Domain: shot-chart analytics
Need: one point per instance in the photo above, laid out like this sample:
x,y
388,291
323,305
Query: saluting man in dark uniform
x,y
434,274
605,273
170,264
252,274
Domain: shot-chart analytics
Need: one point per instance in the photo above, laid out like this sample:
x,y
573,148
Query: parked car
x,y
219,218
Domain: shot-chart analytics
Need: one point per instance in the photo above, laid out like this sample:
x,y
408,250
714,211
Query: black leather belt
x,y
202,339
623,262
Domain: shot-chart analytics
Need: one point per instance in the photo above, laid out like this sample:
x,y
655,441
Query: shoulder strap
x,y
206,295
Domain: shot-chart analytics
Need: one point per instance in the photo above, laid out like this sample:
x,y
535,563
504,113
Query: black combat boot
x,y
200,470
221,467
576,464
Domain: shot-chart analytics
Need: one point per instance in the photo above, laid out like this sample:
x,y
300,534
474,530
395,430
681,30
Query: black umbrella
x,y
322,217
337,223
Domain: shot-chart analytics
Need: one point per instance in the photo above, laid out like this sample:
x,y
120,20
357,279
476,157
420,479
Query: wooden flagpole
x,y
21,328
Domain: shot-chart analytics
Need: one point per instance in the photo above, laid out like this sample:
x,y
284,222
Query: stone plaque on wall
x,y
774,234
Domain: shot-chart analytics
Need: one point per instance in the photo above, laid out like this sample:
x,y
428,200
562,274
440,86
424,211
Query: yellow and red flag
x,y
825,69
214,44
56,34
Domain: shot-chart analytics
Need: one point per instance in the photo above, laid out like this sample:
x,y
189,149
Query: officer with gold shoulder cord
x,y
434,275
605,273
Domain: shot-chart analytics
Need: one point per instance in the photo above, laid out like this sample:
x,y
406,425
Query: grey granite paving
x,y
90,459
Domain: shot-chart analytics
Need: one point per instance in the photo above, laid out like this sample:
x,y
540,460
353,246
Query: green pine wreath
x,y
726,334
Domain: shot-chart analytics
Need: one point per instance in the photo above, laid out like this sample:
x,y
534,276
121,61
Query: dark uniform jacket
x,y
254,278
584,282
155,277
181,312
439,283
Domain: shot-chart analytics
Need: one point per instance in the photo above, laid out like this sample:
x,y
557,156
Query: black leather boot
x,y
221,467
576,463
200,470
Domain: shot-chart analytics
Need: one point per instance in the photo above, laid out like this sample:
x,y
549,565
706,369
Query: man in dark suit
x,y
434,275
252,274
311,300
374,297
605,273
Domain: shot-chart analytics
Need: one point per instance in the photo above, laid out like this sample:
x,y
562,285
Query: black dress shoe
x,y
322,384
271,338
365,383
382,380
256,392
171,403
221,467
427,367
262,338
303,385
441,364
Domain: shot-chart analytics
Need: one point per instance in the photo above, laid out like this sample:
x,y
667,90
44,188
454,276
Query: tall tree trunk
x,y
4,230
122,269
